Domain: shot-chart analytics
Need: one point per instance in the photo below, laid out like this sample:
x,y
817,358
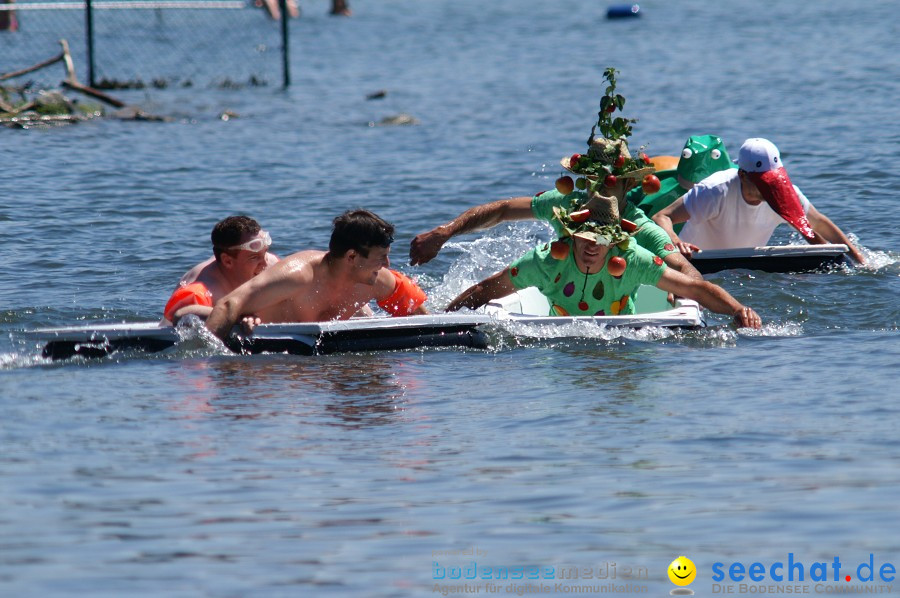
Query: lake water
x,y
199,473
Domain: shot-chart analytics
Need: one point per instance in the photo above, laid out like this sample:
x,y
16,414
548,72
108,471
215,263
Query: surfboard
x,y
772,258
380,333
529,306
310,338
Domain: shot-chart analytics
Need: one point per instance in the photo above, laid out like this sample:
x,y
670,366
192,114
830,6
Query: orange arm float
x,y
407,296
193,294
664,162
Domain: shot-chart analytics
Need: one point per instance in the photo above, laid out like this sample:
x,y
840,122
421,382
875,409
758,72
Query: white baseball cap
x,y
760,159
759,155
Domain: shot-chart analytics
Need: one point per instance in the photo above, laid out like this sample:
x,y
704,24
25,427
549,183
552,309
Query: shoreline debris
x,y
20,107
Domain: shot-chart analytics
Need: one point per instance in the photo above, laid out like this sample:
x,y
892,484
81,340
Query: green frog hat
x,y
702,156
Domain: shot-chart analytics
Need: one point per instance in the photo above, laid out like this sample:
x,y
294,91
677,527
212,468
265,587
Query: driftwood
x,y
127,112
94,93
72,80
10,114
14,110
31,69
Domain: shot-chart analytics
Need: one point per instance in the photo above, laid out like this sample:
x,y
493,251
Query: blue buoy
x,y
621,11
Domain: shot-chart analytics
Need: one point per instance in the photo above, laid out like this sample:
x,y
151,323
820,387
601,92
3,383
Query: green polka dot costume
x,y
574,293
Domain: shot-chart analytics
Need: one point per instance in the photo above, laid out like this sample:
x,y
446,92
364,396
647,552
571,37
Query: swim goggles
x,y
260,242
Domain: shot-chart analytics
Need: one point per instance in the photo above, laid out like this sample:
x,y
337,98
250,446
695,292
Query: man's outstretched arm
x,y
710,296
830,231
668,217
493,287
425,246
257,293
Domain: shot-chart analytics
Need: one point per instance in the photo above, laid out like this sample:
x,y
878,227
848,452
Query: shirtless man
x,y
315,286
240,252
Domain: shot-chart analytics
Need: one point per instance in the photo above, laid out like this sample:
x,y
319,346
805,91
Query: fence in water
x,y
137,43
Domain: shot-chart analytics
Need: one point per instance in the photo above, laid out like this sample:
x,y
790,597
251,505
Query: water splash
x,y
16,360
482,257
584,330
195,340
878,260
772,329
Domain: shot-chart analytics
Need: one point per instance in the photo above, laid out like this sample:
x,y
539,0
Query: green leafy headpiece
x,y
608,153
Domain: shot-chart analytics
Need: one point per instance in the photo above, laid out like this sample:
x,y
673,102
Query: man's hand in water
x,y
747,318
248,323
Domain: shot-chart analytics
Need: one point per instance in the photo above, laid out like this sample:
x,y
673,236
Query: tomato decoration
x,y
565,185
559,250
650,184
616,266
580,215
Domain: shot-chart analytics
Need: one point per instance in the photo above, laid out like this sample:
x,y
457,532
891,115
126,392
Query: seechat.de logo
x,y
794,570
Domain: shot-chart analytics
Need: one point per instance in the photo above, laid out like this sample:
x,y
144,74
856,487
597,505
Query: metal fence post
x,y
89,33
285,59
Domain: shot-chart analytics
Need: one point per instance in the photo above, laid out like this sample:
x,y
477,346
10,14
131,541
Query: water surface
x,y
196,472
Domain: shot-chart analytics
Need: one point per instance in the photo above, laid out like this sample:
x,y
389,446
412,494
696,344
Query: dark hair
x,y
359,230
229,232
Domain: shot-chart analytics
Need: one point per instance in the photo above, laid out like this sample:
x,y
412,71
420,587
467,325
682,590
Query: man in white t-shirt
x,y
741,208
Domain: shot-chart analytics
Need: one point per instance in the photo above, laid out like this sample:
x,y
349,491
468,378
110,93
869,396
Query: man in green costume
x,y
607,163
595,268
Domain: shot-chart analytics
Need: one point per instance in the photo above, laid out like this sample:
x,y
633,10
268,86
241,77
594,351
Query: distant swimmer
x,y
273,7
742,208
240,252
338,8
8,20
594,270
316,286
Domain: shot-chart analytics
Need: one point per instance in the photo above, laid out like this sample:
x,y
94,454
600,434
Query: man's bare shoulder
x,y
300,266
210,275
195,273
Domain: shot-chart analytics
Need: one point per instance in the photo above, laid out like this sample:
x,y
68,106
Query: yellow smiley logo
x,y
682,571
